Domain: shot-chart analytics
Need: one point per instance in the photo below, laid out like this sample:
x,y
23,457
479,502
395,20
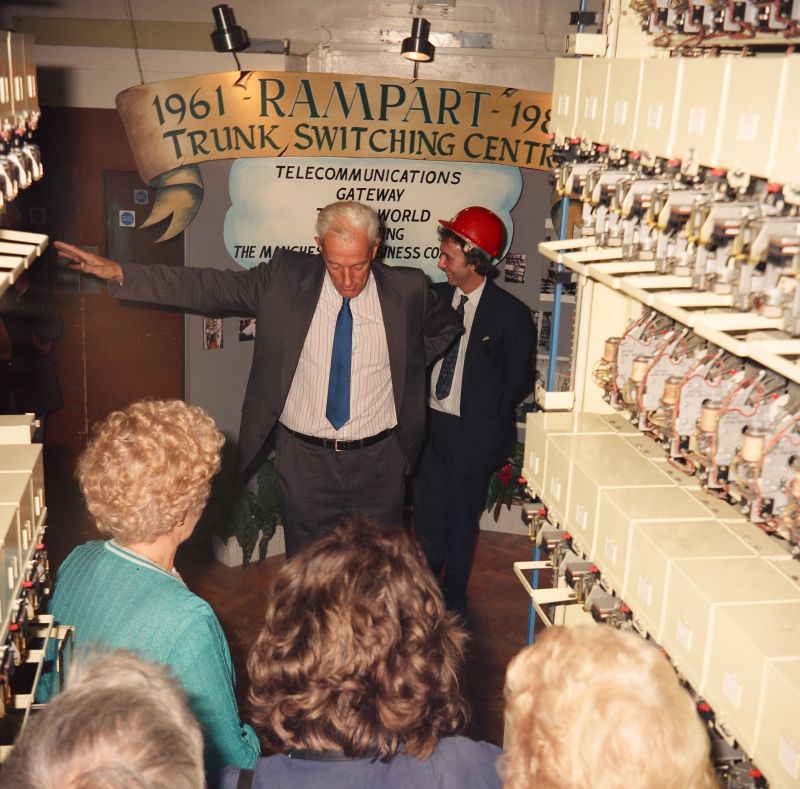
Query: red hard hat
x,y
480,227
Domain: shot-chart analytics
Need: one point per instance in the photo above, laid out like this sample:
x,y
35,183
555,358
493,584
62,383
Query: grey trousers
x,y
321,486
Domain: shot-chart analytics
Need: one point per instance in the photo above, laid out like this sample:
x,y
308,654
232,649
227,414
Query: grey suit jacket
x,y
282,295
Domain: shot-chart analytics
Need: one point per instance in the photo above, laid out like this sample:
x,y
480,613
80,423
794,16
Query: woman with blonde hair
x,y
146,478
354,676
591,707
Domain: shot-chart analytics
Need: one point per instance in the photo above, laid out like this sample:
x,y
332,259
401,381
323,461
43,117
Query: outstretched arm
x,y
89,263
203,290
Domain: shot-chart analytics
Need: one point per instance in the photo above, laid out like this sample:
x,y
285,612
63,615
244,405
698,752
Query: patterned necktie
x,y
445,380
337,410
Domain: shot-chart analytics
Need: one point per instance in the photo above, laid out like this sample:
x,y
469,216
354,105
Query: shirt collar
x,y
475,296
329,289
136,558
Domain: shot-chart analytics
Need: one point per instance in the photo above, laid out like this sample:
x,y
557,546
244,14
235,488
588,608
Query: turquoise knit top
x,y
119,599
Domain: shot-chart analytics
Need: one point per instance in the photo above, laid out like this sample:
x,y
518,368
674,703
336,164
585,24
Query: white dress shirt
x,y
452,403
372,407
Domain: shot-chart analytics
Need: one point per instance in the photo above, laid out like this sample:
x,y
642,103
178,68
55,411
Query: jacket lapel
x,y
394,323
481,323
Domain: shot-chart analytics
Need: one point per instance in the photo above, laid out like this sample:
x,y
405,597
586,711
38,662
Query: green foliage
x,y
507,484
257,513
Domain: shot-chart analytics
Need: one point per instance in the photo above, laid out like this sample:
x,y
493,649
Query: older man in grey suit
x,y
338,374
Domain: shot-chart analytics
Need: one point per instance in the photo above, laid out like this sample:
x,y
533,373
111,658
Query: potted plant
x,y
253,516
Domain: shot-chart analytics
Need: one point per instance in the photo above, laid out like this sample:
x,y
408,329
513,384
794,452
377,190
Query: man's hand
x,y
89,263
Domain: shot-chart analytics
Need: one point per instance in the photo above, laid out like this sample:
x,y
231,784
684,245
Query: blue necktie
x,y
445,380
338,407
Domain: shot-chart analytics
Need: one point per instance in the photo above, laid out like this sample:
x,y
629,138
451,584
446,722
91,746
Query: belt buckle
x,y
336,442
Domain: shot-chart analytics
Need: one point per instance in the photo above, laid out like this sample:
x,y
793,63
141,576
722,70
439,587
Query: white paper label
x,y
732,689
37,505
620,112
563,104
748,127
555,488
697,121
10,578
24,540
581,515
645,590
611,550
684,634
788,757
590,107
654,113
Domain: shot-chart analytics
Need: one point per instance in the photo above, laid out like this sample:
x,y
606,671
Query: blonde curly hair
x,y
147,466
590,706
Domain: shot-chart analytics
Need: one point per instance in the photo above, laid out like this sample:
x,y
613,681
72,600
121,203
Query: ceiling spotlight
x,y
417,47
228,36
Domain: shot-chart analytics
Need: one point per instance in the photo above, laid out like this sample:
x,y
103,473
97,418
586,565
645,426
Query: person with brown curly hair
x,y
146,477
590,706
354,676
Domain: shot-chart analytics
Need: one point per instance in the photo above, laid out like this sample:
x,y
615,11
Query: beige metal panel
x,y
30,84
11,565
17,490
678,476
540,425
703,87
654,548
742,641
557,473
592,99
6,106
597,463
656,115
645,445
16,56
26,458
777,747
566,93
620,511
758,540
748,115
719,508
784,160
17,428
697,588
620,424
624,84
787,566
609,314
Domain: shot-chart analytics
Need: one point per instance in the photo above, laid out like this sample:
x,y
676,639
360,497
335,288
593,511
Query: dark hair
x,y
476,257
358,651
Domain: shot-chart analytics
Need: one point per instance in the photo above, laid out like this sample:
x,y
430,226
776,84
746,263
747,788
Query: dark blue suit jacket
x,y
498,372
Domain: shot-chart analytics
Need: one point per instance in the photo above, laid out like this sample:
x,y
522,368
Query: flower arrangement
x,y
507,485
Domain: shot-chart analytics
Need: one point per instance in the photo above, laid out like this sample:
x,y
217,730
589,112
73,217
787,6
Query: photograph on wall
x,y
247,329
544,328
515,267
212,333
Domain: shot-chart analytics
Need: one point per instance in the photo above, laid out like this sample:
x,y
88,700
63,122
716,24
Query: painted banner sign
x,y
175,124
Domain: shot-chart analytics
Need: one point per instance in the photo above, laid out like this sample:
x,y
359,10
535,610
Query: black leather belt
x,y
341,444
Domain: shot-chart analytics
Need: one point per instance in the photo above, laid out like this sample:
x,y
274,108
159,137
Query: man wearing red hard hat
x,y
474,390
